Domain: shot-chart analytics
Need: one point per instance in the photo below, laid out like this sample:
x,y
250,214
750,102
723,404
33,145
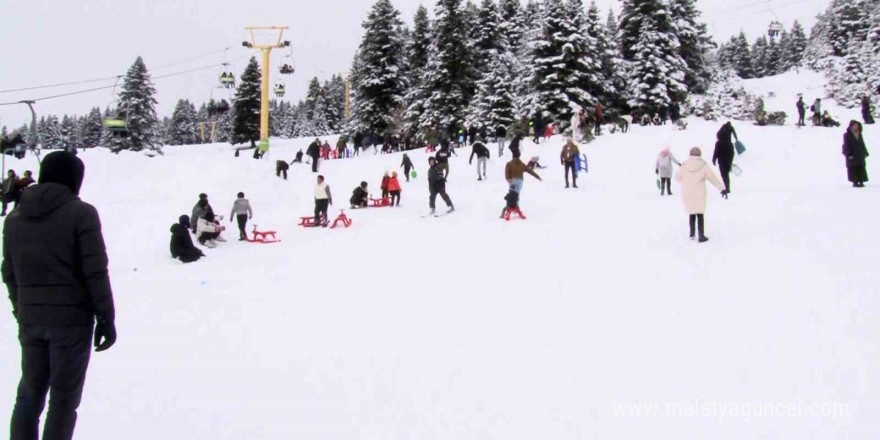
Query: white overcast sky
x,y
54,41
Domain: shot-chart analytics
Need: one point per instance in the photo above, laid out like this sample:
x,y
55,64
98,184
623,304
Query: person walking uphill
x,y
314,151
241,211
55,267
437,185
569,153
856,152
482,153
407,165
663,169
724,152
693,175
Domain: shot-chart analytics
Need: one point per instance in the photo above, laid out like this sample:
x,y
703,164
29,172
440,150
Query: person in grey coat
x,y
663,169
241,211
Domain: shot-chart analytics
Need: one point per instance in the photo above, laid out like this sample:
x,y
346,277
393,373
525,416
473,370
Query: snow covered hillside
x,y
470,327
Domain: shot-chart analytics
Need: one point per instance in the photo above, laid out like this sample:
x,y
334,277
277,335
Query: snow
x,y
470,327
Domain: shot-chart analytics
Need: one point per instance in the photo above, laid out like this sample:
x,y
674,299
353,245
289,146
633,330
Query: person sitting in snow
x,y
182,246
208,230
200,209
359,196
534,163
656,119
645,120
663,170
828,121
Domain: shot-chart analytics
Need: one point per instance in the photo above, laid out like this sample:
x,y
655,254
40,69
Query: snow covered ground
x,y
469,327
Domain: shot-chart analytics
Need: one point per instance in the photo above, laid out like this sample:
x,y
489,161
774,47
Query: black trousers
x,y
280,172
725,173
569,167
395,195
665,185
242,222
406,171
208,236
801,116
439,188
321,211
54,360
598,128
697,218
314,164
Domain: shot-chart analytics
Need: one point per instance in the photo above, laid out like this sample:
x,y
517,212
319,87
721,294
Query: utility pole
x,y
265,50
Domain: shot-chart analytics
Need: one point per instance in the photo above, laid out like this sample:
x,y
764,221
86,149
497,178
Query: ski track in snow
x,y
477,328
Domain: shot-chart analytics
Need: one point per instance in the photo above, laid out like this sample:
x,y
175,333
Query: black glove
x,y
656,171
724,193
105,329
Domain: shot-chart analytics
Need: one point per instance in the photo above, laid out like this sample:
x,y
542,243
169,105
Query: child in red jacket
x,y
384,185
394,188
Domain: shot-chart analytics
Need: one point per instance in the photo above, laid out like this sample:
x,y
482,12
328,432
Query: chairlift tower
x,y
265,49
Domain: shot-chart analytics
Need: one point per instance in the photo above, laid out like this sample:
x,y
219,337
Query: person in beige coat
x,y
693,175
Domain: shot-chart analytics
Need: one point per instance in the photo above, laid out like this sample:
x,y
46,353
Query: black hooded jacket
x,y
182,246
54,260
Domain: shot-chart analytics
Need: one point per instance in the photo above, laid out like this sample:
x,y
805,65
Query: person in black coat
x,y
855,152
359,196
182,246
866,110
724,152
472,134
298,158
674,112
482,154
437,185
314,151
281,168
407,165
55,268
514,144
539,127
802,111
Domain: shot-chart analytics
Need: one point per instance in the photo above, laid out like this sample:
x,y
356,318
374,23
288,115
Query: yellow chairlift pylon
x,y
265,51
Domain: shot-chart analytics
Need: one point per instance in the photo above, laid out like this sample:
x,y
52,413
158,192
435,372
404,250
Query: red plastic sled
x,y
511,211
380,203
341,218
263,236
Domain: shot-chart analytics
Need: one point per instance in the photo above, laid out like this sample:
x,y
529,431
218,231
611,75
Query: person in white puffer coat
x,y
663,170
693,175
208,230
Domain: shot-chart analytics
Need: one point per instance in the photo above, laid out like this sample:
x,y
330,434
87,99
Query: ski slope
x,y
470,327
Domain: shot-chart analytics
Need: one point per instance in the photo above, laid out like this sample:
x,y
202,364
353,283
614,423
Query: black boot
x,y
692,220
702,229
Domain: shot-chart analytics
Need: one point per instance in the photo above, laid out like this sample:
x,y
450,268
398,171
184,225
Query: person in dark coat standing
x,y
407,166
472,134
724,152
539,128
802,111
55,267
437,185
501,138
182,246
314,151
514,144
866,110
855,152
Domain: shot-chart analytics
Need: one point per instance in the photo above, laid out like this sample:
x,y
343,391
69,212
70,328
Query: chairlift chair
x,y
279,90
775,29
